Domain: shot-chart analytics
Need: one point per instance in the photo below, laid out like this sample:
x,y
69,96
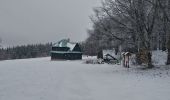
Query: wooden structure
x,y
126,59
108,56
66,50
102,54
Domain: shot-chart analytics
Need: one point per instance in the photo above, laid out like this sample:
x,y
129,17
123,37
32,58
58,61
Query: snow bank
x,y
85,57
159,57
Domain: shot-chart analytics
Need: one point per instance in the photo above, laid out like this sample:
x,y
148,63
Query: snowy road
x,y
42,79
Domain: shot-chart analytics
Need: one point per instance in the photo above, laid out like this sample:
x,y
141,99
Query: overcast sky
x,y
41,21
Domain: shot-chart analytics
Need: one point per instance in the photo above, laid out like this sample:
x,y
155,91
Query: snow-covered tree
x,y
140,24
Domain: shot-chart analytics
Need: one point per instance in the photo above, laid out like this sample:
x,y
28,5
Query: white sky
x,y
41,21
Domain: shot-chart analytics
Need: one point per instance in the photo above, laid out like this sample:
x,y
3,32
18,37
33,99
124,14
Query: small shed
x,y
126,59
105,53
108,56
66,50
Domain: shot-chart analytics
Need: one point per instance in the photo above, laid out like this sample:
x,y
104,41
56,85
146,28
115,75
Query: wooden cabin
x,y
66,50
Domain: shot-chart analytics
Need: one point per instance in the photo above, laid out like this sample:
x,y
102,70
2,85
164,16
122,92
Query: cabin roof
x,y
65,43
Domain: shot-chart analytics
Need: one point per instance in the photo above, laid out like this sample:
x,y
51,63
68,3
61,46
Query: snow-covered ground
x,y
159,57
42,79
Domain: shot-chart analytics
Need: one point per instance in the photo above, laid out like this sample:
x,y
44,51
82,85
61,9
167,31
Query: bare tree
x,y
140,23
164,7
0,42
137,17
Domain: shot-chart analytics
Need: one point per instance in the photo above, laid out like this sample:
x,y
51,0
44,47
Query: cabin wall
x,y
64,53
66,56
60,48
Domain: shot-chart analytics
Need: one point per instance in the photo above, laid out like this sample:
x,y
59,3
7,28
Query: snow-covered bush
x,y
94,61
159,57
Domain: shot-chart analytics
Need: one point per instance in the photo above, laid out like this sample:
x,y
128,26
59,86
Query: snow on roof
x,y
111,52
127,53
71,45
123,53
65,43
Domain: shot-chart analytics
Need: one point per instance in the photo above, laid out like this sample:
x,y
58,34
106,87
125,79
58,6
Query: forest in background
x,y
25,51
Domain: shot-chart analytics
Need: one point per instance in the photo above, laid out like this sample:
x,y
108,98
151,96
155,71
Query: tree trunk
x,y
168,60
150,65
168,46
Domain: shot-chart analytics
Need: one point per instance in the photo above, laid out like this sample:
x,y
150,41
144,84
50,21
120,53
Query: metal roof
x,y
65,43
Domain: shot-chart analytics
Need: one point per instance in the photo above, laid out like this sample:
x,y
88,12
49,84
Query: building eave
x,y
62,52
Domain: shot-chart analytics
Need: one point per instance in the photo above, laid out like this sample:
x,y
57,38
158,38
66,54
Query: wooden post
x,y
126,59
123,59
